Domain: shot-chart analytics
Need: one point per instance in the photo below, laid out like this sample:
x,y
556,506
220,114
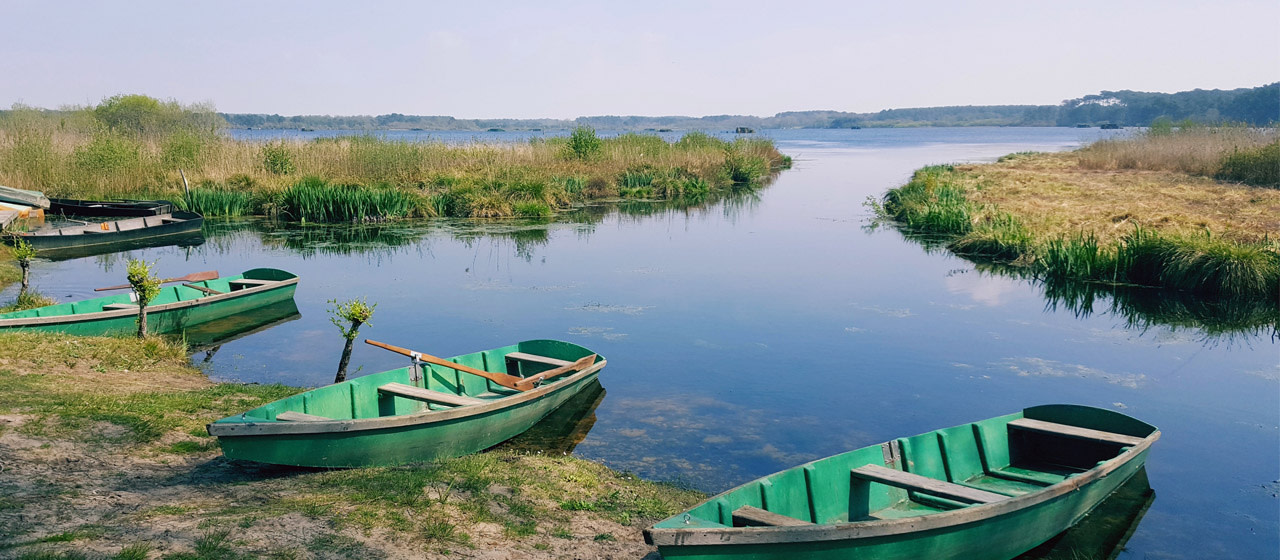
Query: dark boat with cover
x,y
91,237
432,409
989,490
109,208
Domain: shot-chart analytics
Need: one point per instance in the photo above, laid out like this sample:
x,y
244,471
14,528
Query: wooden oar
x,y
508,381
533,380
193,277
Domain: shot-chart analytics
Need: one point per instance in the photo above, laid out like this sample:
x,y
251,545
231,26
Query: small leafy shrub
x,y
107,153
277,159
182,151
584,144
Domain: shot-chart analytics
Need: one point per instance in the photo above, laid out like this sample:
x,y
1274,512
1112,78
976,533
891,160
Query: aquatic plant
x,y
145,286
217,201
348,316
314,199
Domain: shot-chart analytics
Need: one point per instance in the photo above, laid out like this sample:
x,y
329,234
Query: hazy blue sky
x,y
566,59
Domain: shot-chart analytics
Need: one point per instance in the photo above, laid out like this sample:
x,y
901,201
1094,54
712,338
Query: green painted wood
x,y
868,520
172,311
376,428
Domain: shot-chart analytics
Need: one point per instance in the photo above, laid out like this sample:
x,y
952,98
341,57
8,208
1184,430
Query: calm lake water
x,y
762,331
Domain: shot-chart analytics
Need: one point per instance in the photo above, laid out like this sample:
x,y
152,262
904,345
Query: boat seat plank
x,y
209,291
250,282
750,516
934,487
1073,431
411,392
524,357
115,306
291,416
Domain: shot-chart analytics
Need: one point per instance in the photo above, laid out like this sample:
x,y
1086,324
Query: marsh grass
x,y
944,201
79,157
314,199
28,300
1195,150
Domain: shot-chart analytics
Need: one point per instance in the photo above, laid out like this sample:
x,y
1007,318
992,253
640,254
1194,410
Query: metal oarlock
x,y
415,372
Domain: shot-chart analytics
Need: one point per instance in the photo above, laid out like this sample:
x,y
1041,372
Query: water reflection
x,y
563,429
1103,533
1140,308
208,337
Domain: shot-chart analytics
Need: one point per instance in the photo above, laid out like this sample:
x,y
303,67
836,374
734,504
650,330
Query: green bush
x,y
107,153
182,151
1259,167
584,144
277,159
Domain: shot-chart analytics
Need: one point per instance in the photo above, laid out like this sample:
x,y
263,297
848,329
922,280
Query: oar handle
x,y
503,379
193,277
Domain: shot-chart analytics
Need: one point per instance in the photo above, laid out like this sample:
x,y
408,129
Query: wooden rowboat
x,y
421,412
175,309
106,235
109,208
20,196
989,490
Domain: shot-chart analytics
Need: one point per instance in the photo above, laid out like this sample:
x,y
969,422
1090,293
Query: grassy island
x,y
106,456
1194,210
133,146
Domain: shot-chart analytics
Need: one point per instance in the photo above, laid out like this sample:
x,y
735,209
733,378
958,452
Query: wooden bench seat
x,y
411,392
115,306
291,416
249,282
931,486
1073,431
521,356
209,291
750,516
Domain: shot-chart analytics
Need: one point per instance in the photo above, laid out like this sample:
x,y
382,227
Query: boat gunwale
x,y
851,530
19,322
276,427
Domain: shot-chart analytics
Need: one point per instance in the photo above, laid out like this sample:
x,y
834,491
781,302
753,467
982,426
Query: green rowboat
x,y
174,310
416,413
989,490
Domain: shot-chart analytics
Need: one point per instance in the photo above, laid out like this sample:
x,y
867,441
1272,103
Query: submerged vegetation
x,y
134,146
1063,220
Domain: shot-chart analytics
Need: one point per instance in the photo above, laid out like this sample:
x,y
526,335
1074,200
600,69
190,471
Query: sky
x,y
551,59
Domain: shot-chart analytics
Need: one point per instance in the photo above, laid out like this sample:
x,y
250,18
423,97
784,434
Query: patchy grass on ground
x,y
103,454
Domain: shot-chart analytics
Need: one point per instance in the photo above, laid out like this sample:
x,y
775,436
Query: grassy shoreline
x,y
107,458
1062,218
134,147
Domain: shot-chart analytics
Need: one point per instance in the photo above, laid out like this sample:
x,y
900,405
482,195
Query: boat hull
x,y
68,242
362,427
993,529
998,538
402,444
109,208
168,318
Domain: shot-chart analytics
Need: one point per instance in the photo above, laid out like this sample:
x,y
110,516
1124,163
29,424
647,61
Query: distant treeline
x,y
1258,106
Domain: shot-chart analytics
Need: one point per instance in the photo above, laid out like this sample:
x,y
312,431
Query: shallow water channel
x,y
757,332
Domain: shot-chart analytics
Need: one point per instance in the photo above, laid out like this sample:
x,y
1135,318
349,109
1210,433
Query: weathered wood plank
x,y
291,416
524,357
750,516
209,291
1074,431
410,392
931,486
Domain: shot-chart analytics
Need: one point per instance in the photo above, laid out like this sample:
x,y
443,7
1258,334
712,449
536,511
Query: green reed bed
x,y
314,199
934,203
89,153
